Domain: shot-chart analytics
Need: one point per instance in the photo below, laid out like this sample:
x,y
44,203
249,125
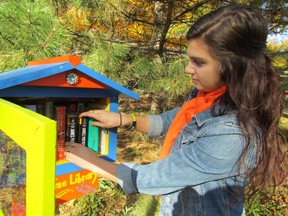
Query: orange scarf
x,y
202,102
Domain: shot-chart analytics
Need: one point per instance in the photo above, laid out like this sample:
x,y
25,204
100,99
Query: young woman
x,y
223,138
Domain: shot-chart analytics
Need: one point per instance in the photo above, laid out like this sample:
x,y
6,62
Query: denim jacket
x,y
201,176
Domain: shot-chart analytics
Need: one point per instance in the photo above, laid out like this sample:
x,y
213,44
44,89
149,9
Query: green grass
x,y
146,205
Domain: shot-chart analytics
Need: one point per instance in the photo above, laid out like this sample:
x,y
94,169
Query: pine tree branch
x,y
7,39
191,9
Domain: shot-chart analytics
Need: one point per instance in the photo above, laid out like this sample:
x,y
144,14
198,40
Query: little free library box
x,y
39,111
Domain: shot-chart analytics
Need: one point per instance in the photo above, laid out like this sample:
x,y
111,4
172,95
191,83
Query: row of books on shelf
x,y
72,128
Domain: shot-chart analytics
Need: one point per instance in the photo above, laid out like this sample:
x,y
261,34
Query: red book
x,y
61,123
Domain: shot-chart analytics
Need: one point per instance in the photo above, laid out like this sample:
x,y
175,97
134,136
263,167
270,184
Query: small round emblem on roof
x,y
72,78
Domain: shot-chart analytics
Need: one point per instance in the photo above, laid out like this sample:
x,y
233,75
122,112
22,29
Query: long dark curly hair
x,y
236,35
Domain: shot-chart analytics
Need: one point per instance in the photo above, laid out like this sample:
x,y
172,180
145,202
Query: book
x,y
93,105
103,141
82,130
32,107
71,127
49,109
41,108
61,121
72,107
36,107
93,136
80,107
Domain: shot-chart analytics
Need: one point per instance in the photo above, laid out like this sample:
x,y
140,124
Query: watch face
x,y
72,78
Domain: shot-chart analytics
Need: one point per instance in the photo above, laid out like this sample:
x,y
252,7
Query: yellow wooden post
x,y
37,135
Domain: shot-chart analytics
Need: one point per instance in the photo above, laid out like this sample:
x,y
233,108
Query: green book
x,y
93,137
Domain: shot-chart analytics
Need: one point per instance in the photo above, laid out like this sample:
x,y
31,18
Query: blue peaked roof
x,y
31,73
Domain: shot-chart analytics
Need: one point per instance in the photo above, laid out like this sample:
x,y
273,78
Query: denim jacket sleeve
x,y
159,124
206,150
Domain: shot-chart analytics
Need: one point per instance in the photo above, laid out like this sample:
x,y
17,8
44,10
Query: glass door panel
x,y
12,176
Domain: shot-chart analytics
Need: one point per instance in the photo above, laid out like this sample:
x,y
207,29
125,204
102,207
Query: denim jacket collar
x,y
203,117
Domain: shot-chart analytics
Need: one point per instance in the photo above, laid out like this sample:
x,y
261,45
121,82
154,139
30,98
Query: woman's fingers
x,y
90,113
69,144
72,147
104,118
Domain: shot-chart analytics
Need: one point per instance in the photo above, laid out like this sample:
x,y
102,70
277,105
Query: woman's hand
x,y
87,159
104,118
80,155
107,119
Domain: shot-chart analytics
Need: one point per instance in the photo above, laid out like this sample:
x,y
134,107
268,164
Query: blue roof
x,y
32,73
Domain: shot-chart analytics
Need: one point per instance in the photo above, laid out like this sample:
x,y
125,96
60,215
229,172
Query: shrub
x,y
269,203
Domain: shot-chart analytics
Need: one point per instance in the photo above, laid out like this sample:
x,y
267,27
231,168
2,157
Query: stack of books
x,y
71,127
